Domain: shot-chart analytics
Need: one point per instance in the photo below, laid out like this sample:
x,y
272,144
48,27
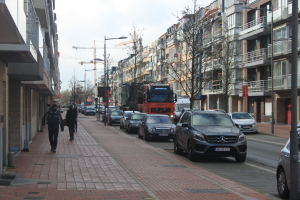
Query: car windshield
x,y
159,119
116,113
127,114
241,116
138,117
211,120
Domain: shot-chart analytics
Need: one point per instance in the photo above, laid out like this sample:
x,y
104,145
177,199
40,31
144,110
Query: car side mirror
x,y
237,125
185,125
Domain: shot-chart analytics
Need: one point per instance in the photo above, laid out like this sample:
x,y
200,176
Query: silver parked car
x,y
283,171
245,121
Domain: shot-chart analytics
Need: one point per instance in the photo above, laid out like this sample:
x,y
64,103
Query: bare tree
x,y
185,67
225,74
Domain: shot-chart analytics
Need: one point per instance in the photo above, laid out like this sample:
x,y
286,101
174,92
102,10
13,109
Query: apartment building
x,y
249,29
30,80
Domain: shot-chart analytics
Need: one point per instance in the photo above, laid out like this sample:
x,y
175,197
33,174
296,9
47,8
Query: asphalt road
x,y
259,170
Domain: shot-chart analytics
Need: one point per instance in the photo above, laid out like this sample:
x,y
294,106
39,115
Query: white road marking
x,y
281,144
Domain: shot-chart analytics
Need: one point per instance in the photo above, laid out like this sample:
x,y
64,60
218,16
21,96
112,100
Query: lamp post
x,y
105,78
272,63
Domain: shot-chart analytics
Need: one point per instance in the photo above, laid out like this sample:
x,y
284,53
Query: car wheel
x,y
240,158
129,130
191,154
147,138
282,188
177,149
139,134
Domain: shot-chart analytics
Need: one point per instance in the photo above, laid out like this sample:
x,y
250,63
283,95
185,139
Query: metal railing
x,y
257,86
257,55
282,47
217,34
32,25
213,86
254,25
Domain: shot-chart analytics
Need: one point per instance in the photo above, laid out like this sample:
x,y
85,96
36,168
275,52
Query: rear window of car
x,y
116,113
211,120
159,119
137,116
241,116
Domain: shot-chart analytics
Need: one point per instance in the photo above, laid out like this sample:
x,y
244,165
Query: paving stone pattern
x,y
104,163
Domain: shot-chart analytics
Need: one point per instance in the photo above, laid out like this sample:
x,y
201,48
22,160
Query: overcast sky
x,y
81,22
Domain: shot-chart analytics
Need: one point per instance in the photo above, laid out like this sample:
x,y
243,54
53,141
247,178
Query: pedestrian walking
x,y
75,107
54,119
71,120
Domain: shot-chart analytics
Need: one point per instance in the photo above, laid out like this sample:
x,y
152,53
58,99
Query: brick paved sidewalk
x,y
280,130
105,163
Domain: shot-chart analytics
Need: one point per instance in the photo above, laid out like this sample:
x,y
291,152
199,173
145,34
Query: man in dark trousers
x,y
54,120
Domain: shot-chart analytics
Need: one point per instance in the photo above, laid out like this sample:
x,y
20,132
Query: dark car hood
x,y
160,125
217,130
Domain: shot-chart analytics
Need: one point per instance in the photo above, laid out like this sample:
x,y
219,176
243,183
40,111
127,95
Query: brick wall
x,y
15,115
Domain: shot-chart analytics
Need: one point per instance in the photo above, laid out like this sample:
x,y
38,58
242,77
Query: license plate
x,y
163,134
246,126
222,149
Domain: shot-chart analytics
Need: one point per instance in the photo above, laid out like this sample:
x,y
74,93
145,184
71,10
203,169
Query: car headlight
x,y
199,137
241,138
172,116
172,130
150,129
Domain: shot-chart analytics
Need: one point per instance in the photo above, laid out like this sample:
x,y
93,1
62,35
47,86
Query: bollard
x,y
11,159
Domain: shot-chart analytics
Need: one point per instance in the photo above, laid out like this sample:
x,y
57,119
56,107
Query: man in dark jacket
x,y
54,120
71,120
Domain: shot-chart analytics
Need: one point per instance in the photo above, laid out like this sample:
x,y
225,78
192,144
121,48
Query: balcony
x,y
27,52
282,48
213,87
282,82
13,22
207,39
256,88
172,40
282,14
217,35
255,28
256,58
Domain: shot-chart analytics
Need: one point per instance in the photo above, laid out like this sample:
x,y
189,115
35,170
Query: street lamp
x,y
272,64
105,78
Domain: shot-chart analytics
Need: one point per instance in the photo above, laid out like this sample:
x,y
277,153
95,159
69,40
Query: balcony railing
x,y
282,82
282,13
282,47
213,86
217,34
254,25
257,86
257,55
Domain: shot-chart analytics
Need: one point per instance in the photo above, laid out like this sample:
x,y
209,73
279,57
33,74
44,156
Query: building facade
x,y
30,78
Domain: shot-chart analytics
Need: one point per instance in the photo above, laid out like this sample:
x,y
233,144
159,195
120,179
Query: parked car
x,y
124,118
245,122
156,126
83,109
205,133
133,121
80,107
90,111
114,116
283,171
103,113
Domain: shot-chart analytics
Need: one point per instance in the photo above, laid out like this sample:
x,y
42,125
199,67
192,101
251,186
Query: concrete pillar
x,y
15,116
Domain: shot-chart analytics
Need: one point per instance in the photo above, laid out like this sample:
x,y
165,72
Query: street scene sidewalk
x,y
280,130
105,163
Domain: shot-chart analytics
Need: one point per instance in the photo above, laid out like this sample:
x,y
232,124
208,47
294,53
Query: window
x,y
234,20
251,106
183,48
268,106
183,85
190,65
